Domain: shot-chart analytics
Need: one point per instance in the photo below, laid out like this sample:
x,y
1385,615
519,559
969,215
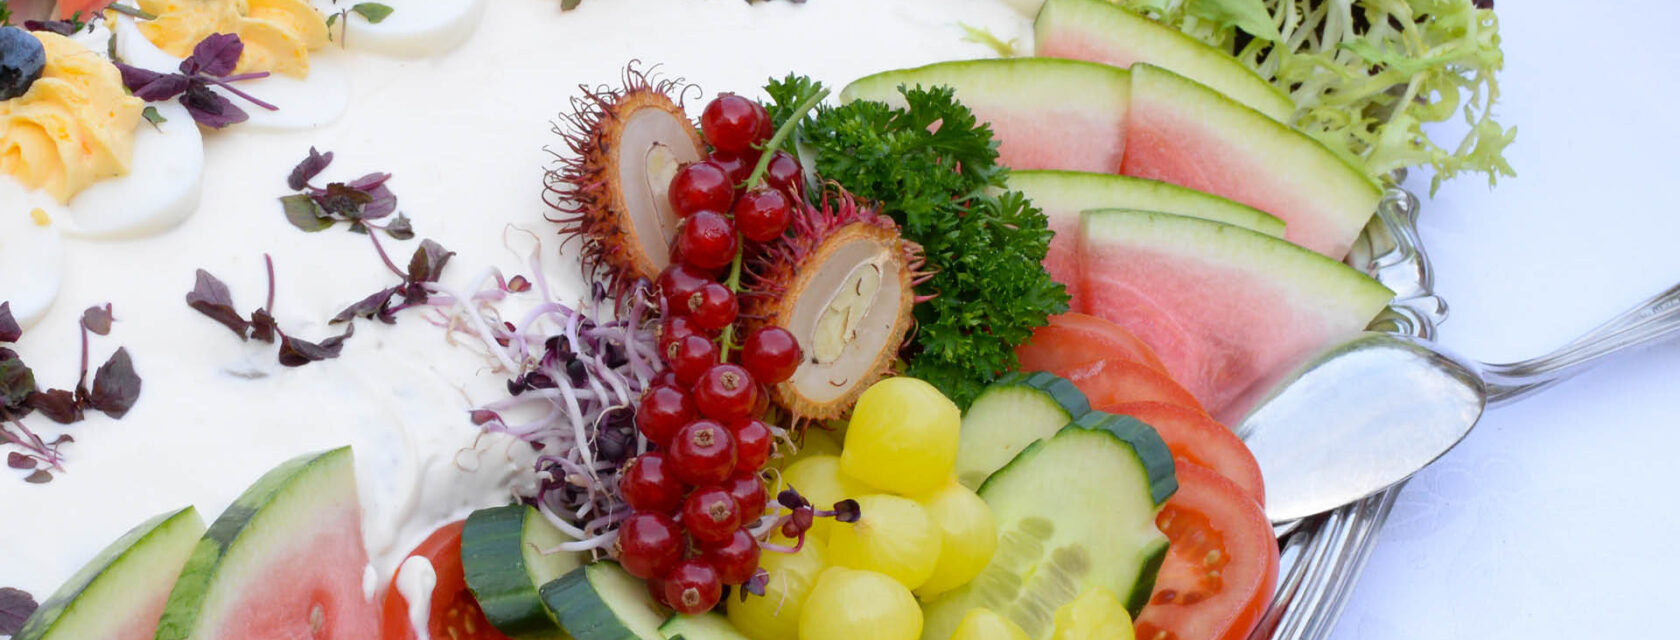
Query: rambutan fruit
x,y
609,186
842,281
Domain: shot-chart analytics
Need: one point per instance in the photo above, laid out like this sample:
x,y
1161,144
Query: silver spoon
x,y
1373,410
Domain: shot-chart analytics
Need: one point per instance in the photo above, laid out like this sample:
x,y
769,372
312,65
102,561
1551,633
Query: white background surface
x,y
1557,517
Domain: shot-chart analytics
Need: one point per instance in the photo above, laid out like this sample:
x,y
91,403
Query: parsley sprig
x,y
933,167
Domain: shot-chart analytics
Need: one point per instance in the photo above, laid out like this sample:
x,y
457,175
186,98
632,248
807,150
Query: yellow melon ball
x,y
983,624
814,442
1095,615
818,478
776,615
848,604
902,438
894,536
968,537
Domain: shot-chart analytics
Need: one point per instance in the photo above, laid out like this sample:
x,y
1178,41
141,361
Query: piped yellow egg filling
x,y
278,34
75,125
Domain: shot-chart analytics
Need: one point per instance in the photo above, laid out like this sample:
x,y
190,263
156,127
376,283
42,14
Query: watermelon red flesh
x,y
1046,113
322,573
1224,308
1184,133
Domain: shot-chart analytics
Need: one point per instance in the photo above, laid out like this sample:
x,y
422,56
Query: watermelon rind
x,y
235,553
1067,193
1136,38
115,595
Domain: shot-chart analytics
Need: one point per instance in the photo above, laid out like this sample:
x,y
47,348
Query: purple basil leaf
x,y
369,307
400,228
756,584
17,460
427,263
211,109
41,476
17,381
368,182
9,329
134,77
263,327
59,405
60,27
296,353
115,385
97,319
344,200
307,170
210,297
304,213
16,605
480,417
216,55
381,202
163,88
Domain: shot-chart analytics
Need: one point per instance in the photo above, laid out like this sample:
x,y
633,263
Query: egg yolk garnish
x,y
73,127
278,34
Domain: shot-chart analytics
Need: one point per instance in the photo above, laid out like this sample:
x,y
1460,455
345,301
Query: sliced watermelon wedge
x,y
120,594
1064,194
285,560
1182,132
1046,113
1101,31
1223,307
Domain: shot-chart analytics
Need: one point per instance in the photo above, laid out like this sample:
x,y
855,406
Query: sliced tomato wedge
x,y
1221,565
1075,339
69,8
454,613
1195,437
1112,382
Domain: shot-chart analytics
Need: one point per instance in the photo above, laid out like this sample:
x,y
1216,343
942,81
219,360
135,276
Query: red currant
x,y
707,240
731,122
784,171
666,377
649,544
693,587
767,125
656,589
725,392
763,214
676,283
649,486
701,186
771,354
748,491
736,559
702,453
752,444
713,307
710,515
664,410
671,332
762,404
739,166
691,357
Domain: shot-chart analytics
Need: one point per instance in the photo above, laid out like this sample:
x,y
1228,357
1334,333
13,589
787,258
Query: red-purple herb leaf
x,y
217,55
17,381
115,385
263,327
307,170
369,182
16,605
41,476
211,109
296,353
17,460
427,263
161,87
400,227
481,417
756,584
58,405
304,213
381,202
210,297
60,27
344,200
791,499
97,319
375,306
518,284
10,331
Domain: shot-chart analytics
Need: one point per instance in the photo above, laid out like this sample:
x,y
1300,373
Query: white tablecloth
x,y
1557,517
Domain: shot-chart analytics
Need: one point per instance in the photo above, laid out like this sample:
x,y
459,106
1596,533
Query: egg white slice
x,y
31,255
414,28
160,190
312,102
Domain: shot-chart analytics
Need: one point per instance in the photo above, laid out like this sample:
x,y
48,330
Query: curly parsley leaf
x,y
932,166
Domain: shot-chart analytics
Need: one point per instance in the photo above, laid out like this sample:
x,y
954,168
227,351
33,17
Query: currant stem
x,y
726,341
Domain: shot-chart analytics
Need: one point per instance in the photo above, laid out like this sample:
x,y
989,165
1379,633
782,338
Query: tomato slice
x,y
1221,565
69,8
454,612
1196,437
1112,382
1075,339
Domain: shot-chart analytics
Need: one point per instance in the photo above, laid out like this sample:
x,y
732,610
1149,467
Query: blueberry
x,y
22,59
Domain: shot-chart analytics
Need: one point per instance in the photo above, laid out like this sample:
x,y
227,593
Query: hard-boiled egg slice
x,y
160,190
303,104
31,252
413,28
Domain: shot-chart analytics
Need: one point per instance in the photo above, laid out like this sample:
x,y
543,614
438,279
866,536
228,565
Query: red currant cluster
x,y
698,492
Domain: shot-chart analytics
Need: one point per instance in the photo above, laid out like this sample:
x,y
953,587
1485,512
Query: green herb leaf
x,y
1248,15
150,113
568,5
332,19
304,214
374,12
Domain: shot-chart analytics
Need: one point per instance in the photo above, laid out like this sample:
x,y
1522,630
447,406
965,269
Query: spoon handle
x,y
1646,323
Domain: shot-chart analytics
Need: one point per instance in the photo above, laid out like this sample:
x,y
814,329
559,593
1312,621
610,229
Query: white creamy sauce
x,y
416,580
466,136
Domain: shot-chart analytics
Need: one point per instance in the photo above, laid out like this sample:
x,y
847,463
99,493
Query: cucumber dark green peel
x,y
602,602
1151,449
493,559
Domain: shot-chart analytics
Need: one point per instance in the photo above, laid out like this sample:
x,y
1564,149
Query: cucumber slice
x,y
120,594
1074,511
501,554
706,626
1014,411
602,602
